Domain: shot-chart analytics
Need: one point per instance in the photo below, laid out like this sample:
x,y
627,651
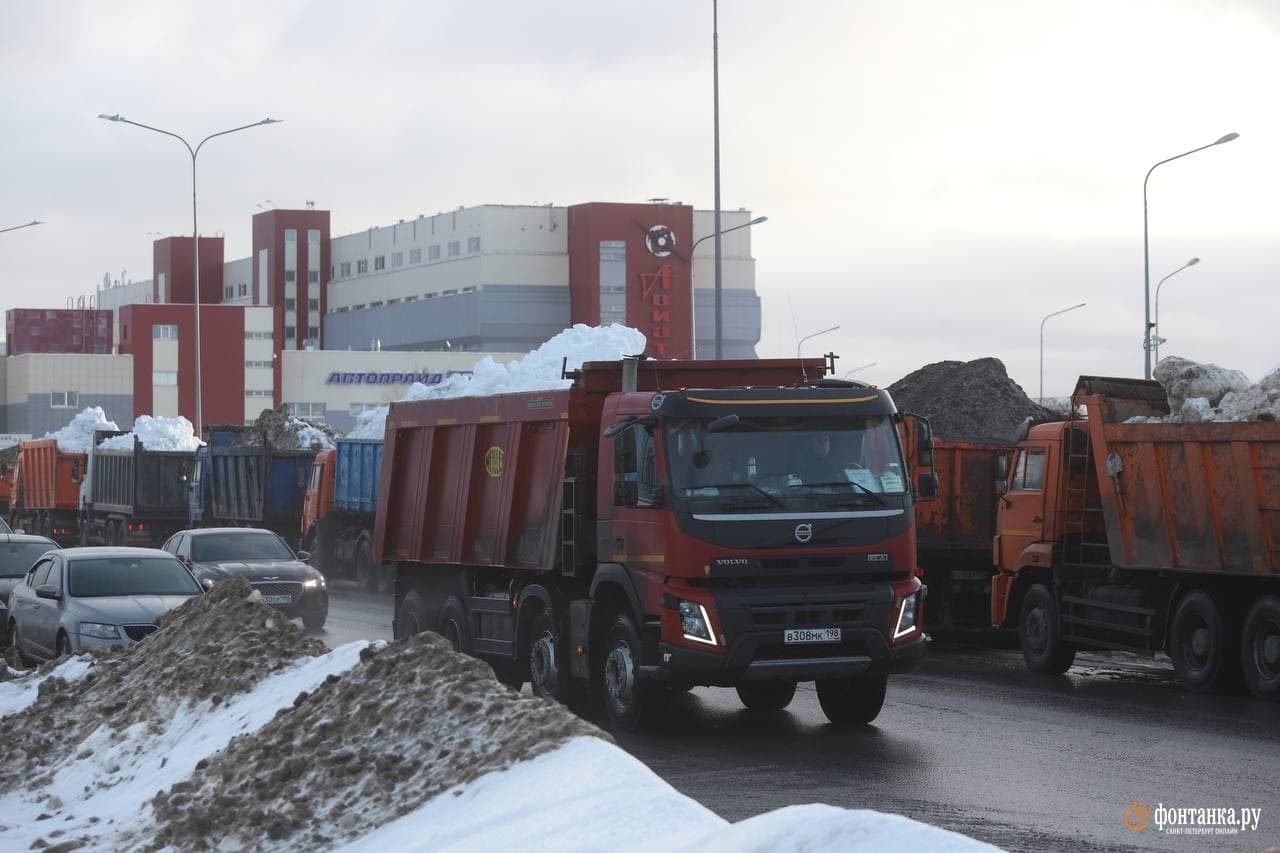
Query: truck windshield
x,y
778,461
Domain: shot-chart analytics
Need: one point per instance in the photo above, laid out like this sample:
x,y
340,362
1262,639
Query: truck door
x,y
1022,508
637,535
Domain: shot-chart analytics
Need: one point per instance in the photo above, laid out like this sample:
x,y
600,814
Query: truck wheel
x,y
1043,648
547,675
453,625
364,564
630,703
1260,648
767,697
852,701
413,616
117,533
1198,643
384,578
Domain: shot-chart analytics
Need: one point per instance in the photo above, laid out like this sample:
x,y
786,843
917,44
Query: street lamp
x,y
716,233
28,225
1157,340
1042,322
715,110
814,335
849,373
195,229
755,221
1146,256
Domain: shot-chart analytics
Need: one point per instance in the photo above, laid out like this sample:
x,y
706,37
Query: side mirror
x,y
48,590
19,531
927,487
76,475
207,583
304,556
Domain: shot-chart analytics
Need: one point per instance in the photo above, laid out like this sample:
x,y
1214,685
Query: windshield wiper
x,y
770,497
880,500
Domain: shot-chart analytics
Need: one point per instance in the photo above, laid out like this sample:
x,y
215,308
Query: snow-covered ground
x,y
229,729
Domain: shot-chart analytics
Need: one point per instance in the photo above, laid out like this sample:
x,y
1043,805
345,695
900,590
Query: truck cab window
x,y
1029,475
635,467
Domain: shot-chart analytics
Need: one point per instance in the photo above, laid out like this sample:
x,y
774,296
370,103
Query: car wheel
x,y
63,647
413,616
767,697
1198,643
631,704
453,625
1040,632
852,701
1260,648
315,621
364,565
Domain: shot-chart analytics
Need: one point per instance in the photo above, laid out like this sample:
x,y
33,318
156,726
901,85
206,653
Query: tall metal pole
x,y
23,225
1146,255
715,84
1156,339
1042,322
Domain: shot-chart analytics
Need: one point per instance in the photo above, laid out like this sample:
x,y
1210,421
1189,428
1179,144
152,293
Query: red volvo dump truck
x,y
662,525
1144,537
46,491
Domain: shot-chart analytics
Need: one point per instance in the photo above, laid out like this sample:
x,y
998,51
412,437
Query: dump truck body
x,y
47,487
337,519
135,496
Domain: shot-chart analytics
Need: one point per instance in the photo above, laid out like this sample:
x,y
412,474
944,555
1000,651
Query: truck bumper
x,y
756,657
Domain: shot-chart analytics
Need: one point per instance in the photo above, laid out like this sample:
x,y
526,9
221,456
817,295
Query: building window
x,y
313,236
359,307
257,336
394,301
613,282
313,276
257,364
455,248
376,304
430,295
229,292
258,392
450,292
341,310
471,289
473,245
290,275
313,304
415,256
290,333
290,304
362,265
313,332
290,235
162,332
411,298
380,262
64,399
164,377
308,411
345,268
433,252
357,409
244,289
397,259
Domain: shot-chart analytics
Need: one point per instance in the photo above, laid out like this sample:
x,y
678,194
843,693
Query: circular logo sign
x,y
1137,816
804,532
493,461
660,241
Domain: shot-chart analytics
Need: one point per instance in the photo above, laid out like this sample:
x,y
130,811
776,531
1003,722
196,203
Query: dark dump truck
x,y
253,485
135,496
341,504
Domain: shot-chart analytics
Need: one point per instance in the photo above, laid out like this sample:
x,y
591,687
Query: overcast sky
x,y
938,176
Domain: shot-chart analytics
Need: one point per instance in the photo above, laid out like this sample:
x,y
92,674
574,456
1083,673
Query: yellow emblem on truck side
x,y
493,461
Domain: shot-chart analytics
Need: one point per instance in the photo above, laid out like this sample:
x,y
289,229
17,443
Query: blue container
x,y
355,477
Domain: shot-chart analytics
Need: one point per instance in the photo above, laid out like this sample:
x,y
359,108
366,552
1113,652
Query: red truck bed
x,y
45,475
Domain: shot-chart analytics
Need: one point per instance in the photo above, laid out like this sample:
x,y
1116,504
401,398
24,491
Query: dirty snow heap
x,y
967,400
279,429
1206,392
540,370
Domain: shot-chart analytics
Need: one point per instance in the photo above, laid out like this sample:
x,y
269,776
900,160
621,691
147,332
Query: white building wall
x,y
164,378
37,388
118,296
259,372
237,282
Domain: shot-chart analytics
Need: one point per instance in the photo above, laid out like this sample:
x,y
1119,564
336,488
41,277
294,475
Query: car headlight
x,y
695,624
313,583
99,630
907,615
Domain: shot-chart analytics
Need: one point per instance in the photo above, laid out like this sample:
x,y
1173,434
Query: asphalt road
x,y
972,742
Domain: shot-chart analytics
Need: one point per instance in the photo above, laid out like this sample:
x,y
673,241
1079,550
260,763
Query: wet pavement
x,y
972,742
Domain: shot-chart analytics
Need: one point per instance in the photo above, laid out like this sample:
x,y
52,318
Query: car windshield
x,y
93,577
223,547
17,558
4,526
772,460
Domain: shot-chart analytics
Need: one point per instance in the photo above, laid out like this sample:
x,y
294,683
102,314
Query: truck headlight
x,y
907,615
99,631
695,624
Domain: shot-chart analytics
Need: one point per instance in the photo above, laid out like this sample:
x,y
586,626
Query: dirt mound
x,y
279,429
216,645
9,455
361,750
967,400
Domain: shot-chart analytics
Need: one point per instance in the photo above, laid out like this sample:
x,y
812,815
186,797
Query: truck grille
x,y
801,616
137,632
293,590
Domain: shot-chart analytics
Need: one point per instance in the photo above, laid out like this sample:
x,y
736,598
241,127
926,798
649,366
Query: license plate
x,y
278,599
792,636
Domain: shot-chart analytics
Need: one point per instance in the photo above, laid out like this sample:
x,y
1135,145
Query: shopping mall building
x,y
335,325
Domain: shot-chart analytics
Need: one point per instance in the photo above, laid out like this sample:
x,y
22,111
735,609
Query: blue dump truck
x,y
248,486
337,519
134,496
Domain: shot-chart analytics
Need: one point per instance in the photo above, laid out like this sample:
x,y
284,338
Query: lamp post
x,y
1042,322
849,373
715,122
814,335
1146,255
1157,340
755,221
195,230
23,225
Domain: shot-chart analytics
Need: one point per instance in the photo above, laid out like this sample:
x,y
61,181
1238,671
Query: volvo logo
x,y
804,532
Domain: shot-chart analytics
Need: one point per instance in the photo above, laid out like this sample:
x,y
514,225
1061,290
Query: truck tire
x,y
852,701
117,533
364,564
1202,657
767,697
630,704
1260,648
413,616
453,625
1043,648
548,675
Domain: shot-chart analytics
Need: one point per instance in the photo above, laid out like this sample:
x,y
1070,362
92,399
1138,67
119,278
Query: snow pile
x,y
1205,393
540,370
968,401
279,429
77,436
156,434
230,729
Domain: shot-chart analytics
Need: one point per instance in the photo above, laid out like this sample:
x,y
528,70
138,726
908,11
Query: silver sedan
x,y
75,598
